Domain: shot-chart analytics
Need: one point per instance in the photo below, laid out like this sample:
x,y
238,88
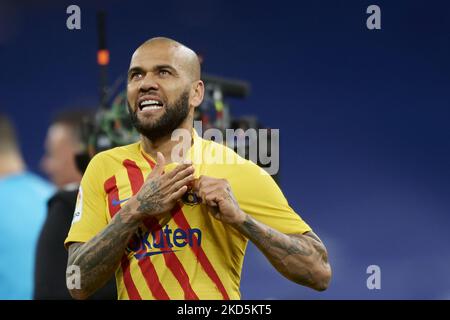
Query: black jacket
x,y
51,256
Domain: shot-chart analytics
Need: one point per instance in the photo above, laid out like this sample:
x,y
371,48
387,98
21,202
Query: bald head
x,y
186,57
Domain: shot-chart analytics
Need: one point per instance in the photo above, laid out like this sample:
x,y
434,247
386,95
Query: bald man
x,y
169,227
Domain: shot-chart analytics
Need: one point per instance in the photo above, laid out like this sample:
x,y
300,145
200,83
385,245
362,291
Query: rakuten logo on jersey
x,y
166,240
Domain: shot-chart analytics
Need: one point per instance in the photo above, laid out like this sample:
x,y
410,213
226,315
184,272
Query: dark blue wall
x,y
363,115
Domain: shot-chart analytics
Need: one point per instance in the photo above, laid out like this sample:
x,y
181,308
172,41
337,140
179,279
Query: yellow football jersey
x,y
189,254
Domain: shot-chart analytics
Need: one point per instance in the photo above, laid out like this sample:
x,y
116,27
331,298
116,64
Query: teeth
x,y
147,102
151,107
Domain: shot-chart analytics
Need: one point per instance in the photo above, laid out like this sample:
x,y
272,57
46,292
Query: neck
x,y
11,163
166,144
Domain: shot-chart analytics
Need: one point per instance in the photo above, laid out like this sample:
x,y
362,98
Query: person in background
x,y
63,142
23,196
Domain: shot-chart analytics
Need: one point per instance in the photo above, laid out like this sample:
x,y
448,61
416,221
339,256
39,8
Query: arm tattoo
x,y
318,246
150,198
294,256
269,238
99,257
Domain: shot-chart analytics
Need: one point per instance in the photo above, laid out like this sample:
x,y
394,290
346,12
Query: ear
x,y
197,93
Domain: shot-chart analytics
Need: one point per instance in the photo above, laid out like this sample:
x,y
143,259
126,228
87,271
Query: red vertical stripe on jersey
x,y
113,194
145,264
132,291
134,175
182,222
151,277
173,263
171,260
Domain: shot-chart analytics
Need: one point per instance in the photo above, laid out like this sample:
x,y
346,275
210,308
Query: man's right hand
x,y
161,190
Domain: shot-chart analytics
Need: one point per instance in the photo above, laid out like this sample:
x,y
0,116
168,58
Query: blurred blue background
x,y
363,115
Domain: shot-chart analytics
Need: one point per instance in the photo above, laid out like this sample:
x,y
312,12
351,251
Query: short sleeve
x,y
259,196
89,217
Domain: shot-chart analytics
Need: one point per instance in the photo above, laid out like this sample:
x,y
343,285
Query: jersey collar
x,y
190,154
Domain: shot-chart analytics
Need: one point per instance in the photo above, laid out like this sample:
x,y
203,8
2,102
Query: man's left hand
x,y
216,194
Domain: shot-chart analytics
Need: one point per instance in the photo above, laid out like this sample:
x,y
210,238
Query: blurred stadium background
x,y
363,115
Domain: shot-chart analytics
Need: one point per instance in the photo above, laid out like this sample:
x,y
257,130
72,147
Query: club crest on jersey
x,y
190,198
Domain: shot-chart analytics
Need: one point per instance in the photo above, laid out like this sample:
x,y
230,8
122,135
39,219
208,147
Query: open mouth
x,y
150,104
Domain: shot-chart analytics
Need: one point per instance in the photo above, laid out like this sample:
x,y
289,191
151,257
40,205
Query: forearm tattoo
x,y
269,238
99,258
319,247
292,255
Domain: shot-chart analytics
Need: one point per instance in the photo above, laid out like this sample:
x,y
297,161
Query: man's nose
x,y
148,83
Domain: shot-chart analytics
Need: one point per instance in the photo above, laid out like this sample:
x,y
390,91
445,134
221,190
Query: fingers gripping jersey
x,y
187,254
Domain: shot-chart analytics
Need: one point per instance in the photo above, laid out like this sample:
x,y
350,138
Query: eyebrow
x,y
155,68
134,69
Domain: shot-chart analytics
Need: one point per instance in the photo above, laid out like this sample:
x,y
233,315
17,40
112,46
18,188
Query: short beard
x,y
172,118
